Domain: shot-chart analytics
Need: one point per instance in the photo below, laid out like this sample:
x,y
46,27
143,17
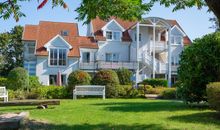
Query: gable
x,y
177,31
113,25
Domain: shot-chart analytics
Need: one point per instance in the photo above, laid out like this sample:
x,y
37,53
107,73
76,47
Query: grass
x,y
120,114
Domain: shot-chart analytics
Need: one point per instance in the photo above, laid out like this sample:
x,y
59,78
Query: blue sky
x,y
194,22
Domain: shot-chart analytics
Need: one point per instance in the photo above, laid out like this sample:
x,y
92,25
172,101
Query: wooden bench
x,y
89,90
4,94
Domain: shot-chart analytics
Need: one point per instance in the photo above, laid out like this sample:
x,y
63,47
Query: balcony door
x,y
86,57
112,57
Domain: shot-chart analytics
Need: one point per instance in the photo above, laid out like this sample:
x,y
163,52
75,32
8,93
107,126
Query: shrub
x,y
144,88
124,76
168,93
155,82
34,82
78,77
108,78
18,94
157,90
48,92
199,65
213,95
18,79
3,81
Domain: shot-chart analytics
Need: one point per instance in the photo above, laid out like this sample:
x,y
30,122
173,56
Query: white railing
x,y
107,65
88,66
159,45
116,65
160,67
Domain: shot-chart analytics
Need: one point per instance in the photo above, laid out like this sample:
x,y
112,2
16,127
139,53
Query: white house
x,y
149,48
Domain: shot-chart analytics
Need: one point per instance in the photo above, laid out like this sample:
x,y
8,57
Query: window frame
x,y
111,57
174,37
140,37
87,61
113,35
58,57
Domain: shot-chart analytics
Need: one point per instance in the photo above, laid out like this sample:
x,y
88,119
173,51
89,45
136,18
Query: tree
x,y
199,65
124,76
11,52
125,9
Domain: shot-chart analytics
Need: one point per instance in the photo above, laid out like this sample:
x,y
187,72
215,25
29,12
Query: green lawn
x,y
120,114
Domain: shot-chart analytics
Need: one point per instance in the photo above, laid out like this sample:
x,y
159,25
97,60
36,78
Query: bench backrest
x,y
2,91
89,88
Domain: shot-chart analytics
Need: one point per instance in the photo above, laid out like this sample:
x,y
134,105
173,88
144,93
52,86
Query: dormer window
x,y
64,33
113,35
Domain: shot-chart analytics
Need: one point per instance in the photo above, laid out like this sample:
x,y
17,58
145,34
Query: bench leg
x,y
103,96
74,96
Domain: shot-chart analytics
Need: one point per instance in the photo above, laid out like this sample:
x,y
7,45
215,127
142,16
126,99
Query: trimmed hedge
x,y
18,79
168,93
213,94
127,91
109,78
155,82
124,76
78,77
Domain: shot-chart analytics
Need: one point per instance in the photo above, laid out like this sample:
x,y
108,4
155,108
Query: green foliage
x,y
199,65
18,79
109,78
34,82
17,94
124,76
168,93
78,77
47,92
3,81
213,94
155,82
11,49
144,88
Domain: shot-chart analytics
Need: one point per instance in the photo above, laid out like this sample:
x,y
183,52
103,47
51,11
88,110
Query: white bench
x,y
4,94
89,90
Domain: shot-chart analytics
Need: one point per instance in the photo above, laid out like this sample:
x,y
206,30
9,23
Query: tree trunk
x,y
214,6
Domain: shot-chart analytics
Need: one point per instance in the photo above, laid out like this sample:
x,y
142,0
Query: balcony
x,y
159,46
107,65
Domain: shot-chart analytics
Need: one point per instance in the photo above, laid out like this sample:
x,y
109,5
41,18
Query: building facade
x,y
149,48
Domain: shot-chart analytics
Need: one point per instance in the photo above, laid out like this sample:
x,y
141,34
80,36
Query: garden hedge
x,y
213,95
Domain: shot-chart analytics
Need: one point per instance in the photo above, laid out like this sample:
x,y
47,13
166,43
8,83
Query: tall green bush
x,y
109,78
213,94
34,82
155,82
124,76
18,79
199,65
3,81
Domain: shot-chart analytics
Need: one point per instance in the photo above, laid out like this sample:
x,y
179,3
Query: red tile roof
x,y
45,31
97,25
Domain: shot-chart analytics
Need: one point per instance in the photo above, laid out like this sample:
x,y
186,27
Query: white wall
x,y
122,48
43,70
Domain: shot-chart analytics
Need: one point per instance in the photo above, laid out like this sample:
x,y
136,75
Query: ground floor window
x,y
53,79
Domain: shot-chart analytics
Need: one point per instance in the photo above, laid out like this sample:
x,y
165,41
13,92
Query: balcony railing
x,y
159,45
107,65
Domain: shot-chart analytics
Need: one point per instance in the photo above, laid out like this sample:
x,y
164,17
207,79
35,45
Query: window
x,y
86,57
175,60
31,49
58,57
112,57
116,36
53,79
64,33
109,35
135,36
176,40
